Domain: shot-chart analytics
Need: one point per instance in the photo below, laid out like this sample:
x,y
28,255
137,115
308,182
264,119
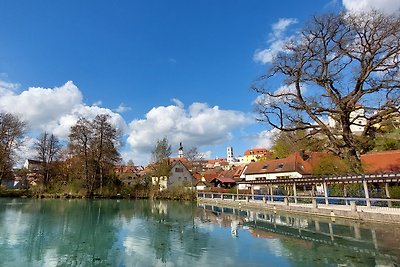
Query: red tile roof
x,y
257,151
293,163
381,162
225,180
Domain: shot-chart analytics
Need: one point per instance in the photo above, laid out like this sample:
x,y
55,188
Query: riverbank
x,y
167,194
331,211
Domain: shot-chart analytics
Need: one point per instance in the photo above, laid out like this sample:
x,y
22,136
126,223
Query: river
x,y
48,232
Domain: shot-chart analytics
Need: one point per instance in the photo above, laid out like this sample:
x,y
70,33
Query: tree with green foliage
x,y
161,151
337,65
286,143
387,141
331,165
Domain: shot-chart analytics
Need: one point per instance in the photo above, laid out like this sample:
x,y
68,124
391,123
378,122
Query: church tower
x,y
180,151
229,154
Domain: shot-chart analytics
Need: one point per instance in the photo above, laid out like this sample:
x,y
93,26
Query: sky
x,y
177,69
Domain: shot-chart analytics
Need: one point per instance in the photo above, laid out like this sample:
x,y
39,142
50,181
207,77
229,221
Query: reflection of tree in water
x,y
69,233
171,226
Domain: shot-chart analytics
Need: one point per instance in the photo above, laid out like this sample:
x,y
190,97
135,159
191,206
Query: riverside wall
x,y
332,211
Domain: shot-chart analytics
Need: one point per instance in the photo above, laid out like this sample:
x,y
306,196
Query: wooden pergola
x,y
365,179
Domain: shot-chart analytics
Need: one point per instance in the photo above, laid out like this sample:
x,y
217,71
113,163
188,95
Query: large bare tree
x,y
105,144
79,144
12,130
343,68
48,150
96,142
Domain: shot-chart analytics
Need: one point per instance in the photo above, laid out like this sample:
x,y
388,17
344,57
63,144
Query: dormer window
x,y
279,166
264,167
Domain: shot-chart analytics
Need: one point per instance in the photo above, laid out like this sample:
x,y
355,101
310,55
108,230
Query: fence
x,y
351,203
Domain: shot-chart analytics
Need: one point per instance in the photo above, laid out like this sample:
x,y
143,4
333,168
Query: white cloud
x,y
97,103
266,138
283,94
7,88
386,6
198,125
122,108
52,109
276,41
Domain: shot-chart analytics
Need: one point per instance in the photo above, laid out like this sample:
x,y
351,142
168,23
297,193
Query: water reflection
x,y
167,233
98,233
313,241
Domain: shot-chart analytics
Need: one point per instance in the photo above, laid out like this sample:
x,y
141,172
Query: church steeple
x,y
180,151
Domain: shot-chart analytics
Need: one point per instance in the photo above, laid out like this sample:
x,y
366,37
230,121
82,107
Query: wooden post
x,y
286,201
331,231
272,194
357,232
353,206
295,192
388,194
317,227
314,203
366,193
326,193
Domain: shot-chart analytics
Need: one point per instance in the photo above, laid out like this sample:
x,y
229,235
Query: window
x,y
282,177
178,169
265,167
279,166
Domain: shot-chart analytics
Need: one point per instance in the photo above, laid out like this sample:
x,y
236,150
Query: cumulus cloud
x,y
52,109
276,41
122,108
386,6
198,125
283,94
7,87
266,138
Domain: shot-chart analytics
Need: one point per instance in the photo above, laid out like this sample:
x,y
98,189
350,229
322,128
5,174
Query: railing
x,y
352,203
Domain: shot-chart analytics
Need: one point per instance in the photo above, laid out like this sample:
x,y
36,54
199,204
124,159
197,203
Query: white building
x,y
357,120
229,155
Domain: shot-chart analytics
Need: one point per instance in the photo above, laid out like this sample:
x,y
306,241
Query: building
x,y
255,154
295,165
33,165
180,151
381,162
357,119
229,155
128,174
179,176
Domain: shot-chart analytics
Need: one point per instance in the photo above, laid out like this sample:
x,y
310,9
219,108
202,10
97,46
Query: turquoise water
x,y
167,233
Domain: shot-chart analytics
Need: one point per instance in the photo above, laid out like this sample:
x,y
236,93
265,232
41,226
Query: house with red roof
x,y
295,165
255,154
381,162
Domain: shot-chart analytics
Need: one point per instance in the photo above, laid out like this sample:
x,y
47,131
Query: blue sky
x,y
180,69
